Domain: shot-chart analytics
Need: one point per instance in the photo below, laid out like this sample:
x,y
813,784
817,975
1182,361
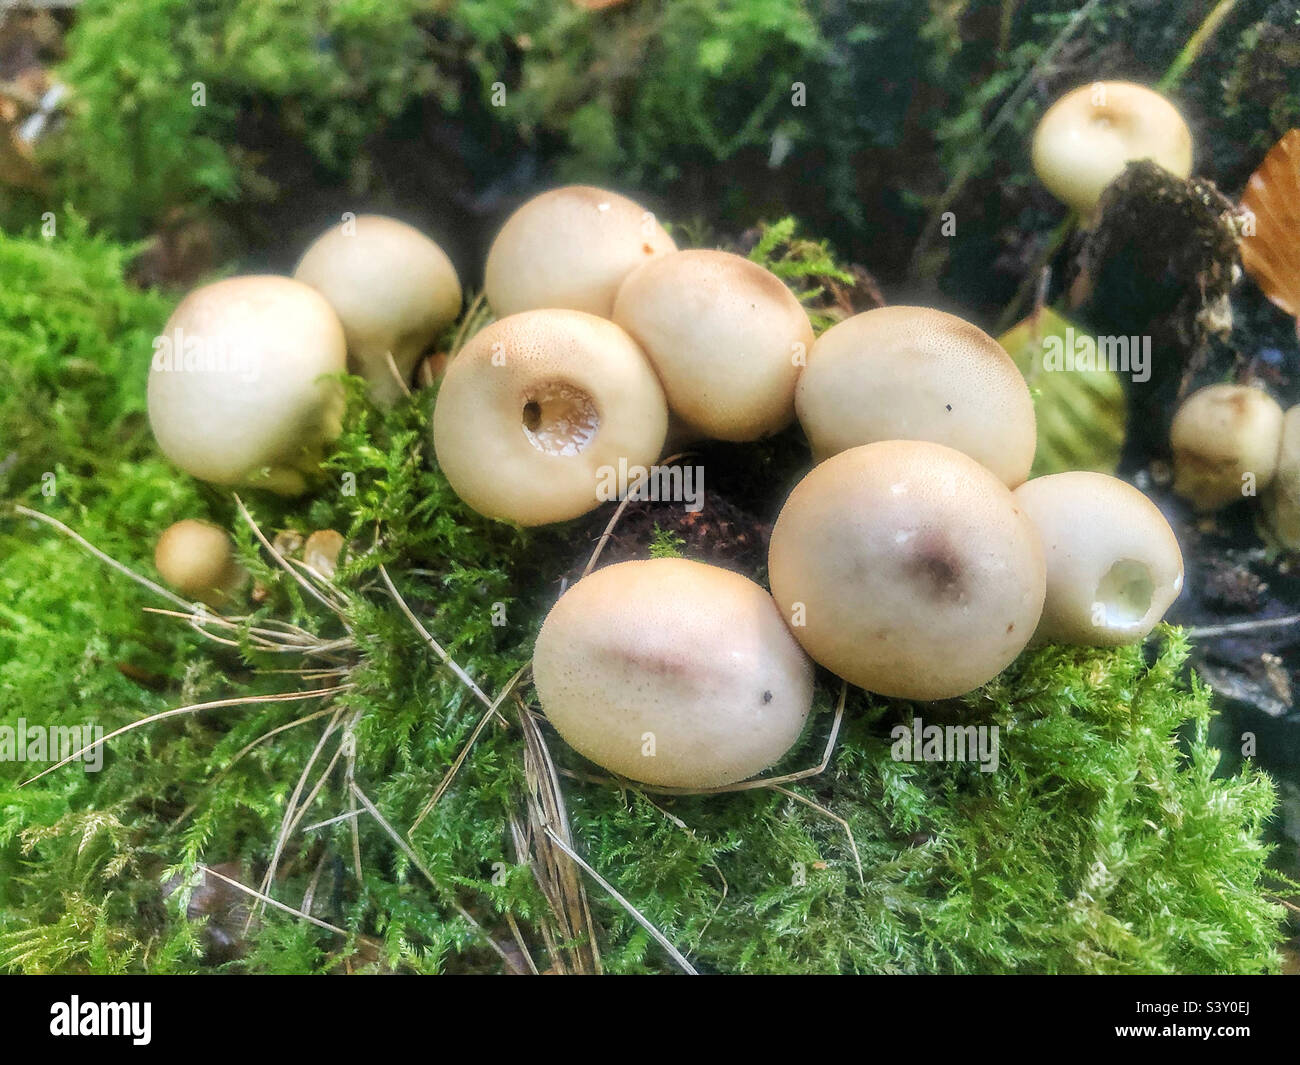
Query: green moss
x,y
1104,842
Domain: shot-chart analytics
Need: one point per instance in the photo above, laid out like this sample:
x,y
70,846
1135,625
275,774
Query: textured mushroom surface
x,y
908,569
393,289
570,248
1225,440
913,373
1113,564
726,336
1282,500
536,413
1088,136
672,672
239,395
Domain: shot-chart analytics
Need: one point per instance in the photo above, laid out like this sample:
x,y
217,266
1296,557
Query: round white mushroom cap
x,y
913,373
570,248
908,569
1113,563
672,672
237,388
726,336
1225,440
1089,135
393,289
540,411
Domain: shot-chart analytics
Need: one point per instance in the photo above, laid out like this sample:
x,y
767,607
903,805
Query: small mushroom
x,y
321,552
1089,135
672,672
1225,440
198,560
570,248
393,289
1282,500
536,412
238,392
726,336
913,373
1113,563
908,569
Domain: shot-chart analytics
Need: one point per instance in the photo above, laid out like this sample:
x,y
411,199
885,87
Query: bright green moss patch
x,y
1102,843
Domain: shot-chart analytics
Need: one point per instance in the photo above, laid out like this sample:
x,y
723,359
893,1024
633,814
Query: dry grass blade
x,y
1271,254
246,700
324,596
268,901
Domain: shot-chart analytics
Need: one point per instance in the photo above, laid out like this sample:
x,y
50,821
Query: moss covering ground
x,y
1104,843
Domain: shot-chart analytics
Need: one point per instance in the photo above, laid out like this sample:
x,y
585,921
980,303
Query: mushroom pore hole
x,y
1125,594
558,418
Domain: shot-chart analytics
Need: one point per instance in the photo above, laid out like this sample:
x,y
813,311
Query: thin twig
x,y
1240,626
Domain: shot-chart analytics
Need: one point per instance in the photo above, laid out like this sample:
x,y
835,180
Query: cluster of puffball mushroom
x,y
916,560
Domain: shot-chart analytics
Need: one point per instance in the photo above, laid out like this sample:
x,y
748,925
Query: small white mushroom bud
x,y
1225,440
1113,563
673,673
198,560
393,289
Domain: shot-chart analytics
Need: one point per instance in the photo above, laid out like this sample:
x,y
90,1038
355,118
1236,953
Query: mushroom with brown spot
x,y
1225,441
239,387
198,560
540,411
907,568
726,336
570,248
672,672
913,373
1113,562
1089,135
393,289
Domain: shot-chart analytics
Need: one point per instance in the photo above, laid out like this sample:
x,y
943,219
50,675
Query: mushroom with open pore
x,y
238,388
913,373
1113,563
727,337
1225,440
672,672
908,569
1089,135
536,413
570,248
393,289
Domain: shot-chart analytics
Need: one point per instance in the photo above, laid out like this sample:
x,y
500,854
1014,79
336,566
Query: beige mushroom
x,y
393,289
1225,440
198,560
1113,563
570,248
907,568
1089,135
726,336
321,552
912,373
672,672
536,413
238,392
1282,499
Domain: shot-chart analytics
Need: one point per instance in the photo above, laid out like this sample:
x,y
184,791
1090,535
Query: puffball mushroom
x,y
1225,440
536,413
237,389
726,336
1089,135
1282,500
1113,563
393,289
198,560
907,568
913,373
570,248
672,672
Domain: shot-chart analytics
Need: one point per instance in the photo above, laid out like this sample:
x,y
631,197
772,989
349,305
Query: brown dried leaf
x,y
1271,254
